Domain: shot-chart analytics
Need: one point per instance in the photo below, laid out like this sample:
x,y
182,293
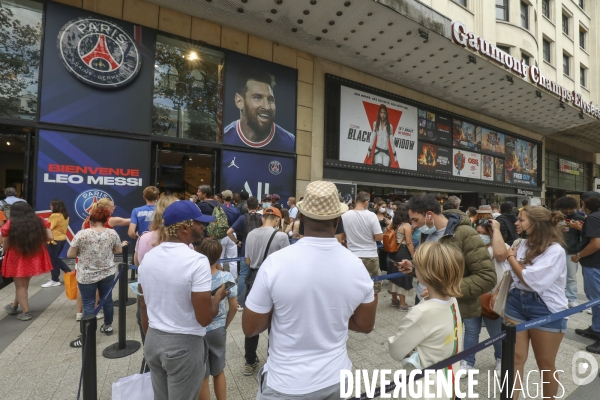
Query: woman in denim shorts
x,y
539,273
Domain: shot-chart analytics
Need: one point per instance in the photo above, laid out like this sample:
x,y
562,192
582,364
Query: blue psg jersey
x,y
278,140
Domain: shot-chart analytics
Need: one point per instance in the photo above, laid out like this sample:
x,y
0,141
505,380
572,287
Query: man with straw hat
x,y
310,294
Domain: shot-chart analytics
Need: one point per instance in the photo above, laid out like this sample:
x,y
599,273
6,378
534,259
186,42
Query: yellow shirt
x,y
59,226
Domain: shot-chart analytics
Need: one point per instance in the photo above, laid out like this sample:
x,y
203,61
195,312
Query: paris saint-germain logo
x,y
275,167
98,52
85,200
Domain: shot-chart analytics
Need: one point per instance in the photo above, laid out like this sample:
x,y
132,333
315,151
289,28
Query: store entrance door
x,y
179,172
16,147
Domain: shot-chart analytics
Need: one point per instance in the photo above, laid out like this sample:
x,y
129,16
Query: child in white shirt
x,y
433,328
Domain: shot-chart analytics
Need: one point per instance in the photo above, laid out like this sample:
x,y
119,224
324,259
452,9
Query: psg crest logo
x,y
85,200
275,167
98,52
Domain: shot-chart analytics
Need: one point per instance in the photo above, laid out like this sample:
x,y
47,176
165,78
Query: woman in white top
x,y
492,321
539,271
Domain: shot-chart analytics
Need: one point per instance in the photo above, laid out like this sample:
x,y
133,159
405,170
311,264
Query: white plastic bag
x,y
134,387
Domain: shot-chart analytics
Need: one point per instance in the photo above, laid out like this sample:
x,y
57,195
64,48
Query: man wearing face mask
x,y
567,206
265,202
454,227
260,243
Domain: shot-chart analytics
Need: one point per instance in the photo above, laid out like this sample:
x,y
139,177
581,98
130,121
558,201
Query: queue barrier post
x,y
89,325
123,347
507,365
129,300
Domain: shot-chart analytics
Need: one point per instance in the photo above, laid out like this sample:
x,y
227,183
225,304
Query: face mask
x,y
288,204
382,209
486,239
266,205
425,230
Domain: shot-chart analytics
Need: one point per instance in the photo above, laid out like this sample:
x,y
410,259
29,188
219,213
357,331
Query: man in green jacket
x,y
454,227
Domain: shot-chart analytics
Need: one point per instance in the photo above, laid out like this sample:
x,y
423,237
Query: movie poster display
x,y
499,170
520,165
71,168
492,142
487,168
435,128
377,131
259,105
466,135
347,192
434,159
466,164
258,174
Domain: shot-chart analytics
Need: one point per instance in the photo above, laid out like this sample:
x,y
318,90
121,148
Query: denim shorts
x,y
523,306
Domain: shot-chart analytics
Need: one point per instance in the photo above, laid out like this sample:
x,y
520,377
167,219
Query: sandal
x,y
404,308
395,304
76,344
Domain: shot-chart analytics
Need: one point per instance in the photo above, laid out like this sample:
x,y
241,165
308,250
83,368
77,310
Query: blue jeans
x,y
88,298
244,269
571,289
591,286
524,305
473,329
58,264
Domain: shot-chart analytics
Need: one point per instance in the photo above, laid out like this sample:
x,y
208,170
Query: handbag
x,y
504,287
134,387
390,242
70,285
486,310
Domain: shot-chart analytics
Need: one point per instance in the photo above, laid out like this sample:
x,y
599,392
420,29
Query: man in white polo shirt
x,y
307,342
363,231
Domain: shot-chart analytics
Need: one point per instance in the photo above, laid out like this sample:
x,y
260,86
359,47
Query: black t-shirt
x,y
591,229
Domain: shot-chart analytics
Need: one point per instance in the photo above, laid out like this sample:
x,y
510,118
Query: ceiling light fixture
x,y
8,143
424,35
193,56
581,115
538,94
510,79
472,60
562,105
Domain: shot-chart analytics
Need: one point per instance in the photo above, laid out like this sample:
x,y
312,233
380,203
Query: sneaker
x,y
10,310
50,283
395,304
100,315
78,316
249,368
76,344
240,308
404,308
464,365
24,316
573,304
107,330
498,364
588,333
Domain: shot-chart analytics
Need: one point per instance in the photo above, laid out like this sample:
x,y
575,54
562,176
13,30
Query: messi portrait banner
x,y
70,168
377,131
434,159
259,104
258,174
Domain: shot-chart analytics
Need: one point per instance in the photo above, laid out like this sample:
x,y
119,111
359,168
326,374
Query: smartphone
x,y
228,285
567,220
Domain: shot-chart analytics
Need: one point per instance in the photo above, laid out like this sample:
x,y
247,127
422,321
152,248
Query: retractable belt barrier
x,y
480,346
223,260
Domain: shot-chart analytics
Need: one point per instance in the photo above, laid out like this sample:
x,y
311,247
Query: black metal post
x,y
507,366
130,300
89,324
123,347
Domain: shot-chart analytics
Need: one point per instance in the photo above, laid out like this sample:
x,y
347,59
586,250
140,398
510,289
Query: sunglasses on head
x,y
484,222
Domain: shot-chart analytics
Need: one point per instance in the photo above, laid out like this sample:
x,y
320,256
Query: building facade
x,y
109,96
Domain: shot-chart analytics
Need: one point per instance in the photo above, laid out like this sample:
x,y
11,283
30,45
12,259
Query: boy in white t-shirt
x,y
434,326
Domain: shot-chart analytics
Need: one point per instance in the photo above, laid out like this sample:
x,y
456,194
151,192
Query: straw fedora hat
x,y
321,201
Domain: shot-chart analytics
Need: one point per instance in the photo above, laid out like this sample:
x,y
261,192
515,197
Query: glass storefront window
x,y
187,90
577,180
20,43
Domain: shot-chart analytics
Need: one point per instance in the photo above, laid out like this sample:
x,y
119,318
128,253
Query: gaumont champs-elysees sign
x,y
485,48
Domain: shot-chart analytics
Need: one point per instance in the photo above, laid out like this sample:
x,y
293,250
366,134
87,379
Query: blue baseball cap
x,y
184,211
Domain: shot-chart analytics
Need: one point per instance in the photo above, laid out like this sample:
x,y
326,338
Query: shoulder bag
x,y
507,280
252,274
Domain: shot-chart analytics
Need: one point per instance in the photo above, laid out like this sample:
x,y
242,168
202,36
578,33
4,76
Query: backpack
x,y
390,241
253,221
218,228
5,207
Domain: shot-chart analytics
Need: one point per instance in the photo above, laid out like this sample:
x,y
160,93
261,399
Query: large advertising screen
x,y
258,174
435,128
259,106
521,162
71,167
466,164
435,159
377,131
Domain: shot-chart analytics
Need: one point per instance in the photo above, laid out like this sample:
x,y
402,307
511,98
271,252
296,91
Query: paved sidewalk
x,y
39,364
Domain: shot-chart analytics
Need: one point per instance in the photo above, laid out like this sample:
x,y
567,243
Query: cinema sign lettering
x,y
485,48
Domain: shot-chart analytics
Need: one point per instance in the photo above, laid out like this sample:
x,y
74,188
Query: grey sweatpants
x,y
177,363
266,393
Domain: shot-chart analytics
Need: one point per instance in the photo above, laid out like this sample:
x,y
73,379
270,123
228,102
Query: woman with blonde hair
x,y
112,221
539,272
434,326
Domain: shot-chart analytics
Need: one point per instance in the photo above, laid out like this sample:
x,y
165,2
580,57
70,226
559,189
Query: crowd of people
x,y
454,264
